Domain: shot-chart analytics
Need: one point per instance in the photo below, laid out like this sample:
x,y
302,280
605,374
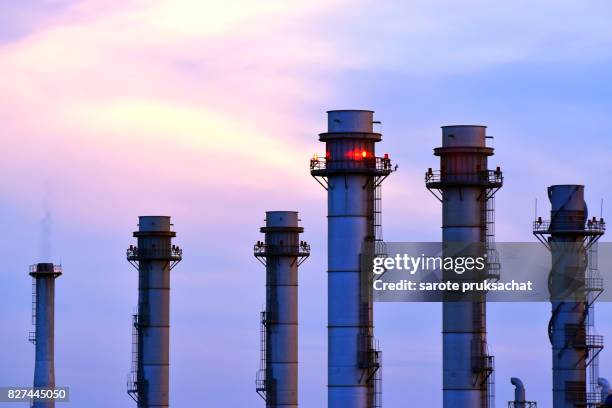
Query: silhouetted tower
x,y
43,317
154,258
352,174
281,253
569,234
466,187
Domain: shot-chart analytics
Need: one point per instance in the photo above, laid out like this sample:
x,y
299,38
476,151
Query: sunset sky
x,y
208,111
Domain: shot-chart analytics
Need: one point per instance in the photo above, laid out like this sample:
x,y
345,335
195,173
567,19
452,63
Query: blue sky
x,y
209,112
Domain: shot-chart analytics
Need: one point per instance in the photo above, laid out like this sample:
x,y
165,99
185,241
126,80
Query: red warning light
x,y
358,154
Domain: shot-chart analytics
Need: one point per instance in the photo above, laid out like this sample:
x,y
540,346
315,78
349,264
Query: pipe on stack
x,y
519,393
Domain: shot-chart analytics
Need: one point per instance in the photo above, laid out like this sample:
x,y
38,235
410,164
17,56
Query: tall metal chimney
x,y
466,187
281,253
569,234
352,174
154,258
43,317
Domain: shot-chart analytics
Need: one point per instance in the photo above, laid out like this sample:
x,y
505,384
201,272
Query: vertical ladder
x,y
378,381
485,363
260,378
32,334
493,272
594,289
380,250
133,383
379,245
491,382
493,265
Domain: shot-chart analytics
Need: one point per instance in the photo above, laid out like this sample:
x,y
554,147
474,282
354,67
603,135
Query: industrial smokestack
x,y
154,258
43,308
351,173
568,235
281,253
466,187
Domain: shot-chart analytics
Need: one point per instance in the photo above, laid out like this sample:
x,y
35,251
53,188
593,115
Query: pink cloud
x,y
116,104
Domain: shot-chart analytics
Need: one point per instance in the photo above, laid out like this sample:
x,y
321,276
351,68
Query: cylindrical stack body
x,y
155,255
464,183
567,325
352,170
281,250
44,368
569,236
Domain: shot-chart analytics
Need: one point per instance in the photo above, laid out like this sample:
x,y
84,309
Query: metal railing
x,y
582,398
380,164
300,251
483,363
57,269
173,253
493,269
263,249
133,387
484,178
592,341
260,384
594,226
522,404
594,284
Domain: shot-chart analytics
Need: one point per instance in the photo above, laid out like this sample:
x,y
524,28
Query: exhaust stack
x,y
520,400
352,174
153,257
43,317
569,235
281,253
466,187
